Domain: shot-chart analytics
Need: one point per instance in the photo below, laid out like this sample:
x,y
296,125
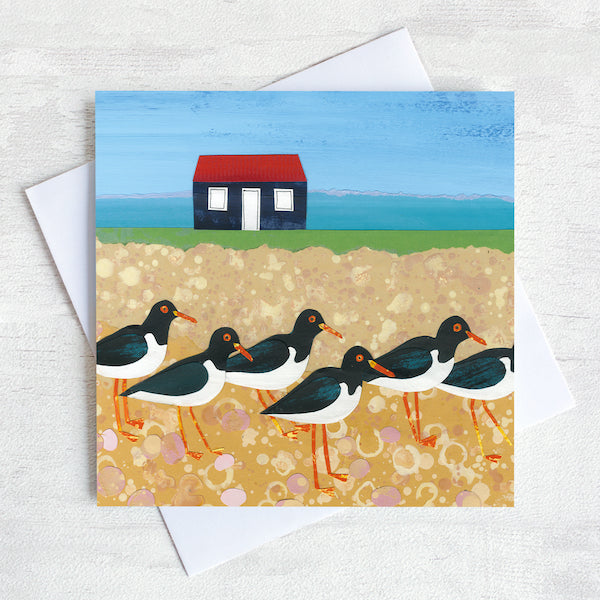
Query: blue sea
x,y
328,211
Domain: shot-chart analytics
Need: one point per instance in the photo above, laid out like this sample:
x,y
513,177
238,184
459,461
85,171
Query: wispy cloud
x,y
334,192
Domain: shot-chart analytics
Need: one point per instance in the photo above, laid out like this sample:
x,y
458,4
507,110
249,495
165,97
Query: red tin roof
x,y
249,168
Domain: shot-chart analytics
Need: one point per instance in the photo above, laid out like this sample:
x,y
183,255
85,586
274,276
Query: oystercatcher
x,y
136,351
193,381
326,396
488,375
421,364
279,361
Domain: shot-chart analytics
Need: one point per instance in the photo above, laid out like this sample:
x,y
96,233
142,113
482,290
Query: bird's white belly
x,y
215,383
337,411
144,366
430,379
282,377
500,390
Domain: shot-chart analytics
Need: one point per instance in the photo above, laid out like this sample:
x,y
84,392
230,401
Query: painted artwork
x,y
324,317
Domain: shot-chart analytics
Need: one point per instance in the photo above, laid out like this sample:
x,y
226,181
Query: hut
x,y
250,192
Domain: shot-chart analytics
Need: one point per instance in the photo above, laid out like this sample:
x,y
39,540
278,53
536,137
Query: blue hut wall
x,y
232,217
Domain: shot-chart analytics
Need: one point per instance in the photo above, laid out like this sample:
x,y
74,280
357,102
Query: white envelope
x,y
389,63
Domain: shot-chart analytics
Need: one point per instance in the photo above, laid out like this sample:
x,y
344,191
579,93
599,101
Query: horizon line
x,y
329,192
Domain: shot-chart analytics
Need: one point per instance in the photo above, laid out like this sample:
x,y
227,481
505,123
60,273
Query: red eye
x,y
227,337
312,319
359,358
457,326
164,309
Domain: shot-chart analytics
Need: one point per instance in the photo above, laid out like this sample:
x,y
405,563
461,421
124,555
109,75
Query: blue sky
x,y
421,143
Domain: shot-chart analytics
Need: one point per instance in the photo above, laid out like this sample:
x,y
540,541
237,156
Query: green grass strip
x,y
340,242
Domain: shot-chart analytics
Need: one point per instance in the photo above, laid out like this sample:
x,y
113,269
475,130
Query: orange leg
x,y
130,436
340,476
489,412
196,455
329,491
407,408
139,423
291,435
260,399
215,450
491,457
429,440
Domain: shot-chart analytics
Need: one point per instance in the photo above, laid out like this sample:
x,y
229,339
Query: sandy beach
x,y
374,298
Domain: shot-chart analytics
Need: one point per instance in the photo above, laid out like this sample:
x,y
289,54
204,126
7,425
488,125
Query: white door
x,y
251,209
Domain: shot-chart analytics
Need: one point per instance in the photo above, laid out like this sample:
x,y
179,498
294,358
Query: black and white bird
x,y
193,381
328,395
486,376
279,360
422,363
136,351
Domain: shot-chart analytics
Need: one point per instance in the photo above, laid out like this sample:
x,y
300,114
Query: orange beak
x,y
476,338
184,316
381,369
243,351
330,330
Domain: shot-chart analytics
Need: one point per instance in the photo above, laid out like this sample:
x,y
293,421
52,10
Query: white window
x,y
284,199
217,198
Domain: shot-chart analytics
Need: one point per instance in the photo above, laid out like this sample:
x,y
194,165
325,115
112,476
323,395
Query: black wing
x,y
316,392
181,378
266,356
406,362
476,373
123,347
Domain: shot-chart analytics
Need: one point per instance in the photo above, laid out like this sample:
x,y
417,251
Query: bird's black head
x,y
360,360
310,322
164,311
223,342
160,318
451,333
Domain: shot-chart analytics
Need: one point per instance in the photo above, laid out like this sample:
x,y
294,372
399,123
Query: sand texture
x,y
375,299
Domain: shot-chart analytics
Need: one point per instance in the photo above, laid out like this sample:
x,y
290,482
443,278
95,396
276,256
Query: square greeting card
x,y
305,298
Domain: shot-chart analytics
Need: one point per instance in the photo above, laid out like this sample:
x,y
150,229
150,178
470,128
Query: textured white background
x,y
54,542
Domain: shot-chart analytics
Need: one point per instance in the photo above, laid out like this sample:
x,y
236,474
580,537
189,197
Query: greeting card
x,y
256,346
